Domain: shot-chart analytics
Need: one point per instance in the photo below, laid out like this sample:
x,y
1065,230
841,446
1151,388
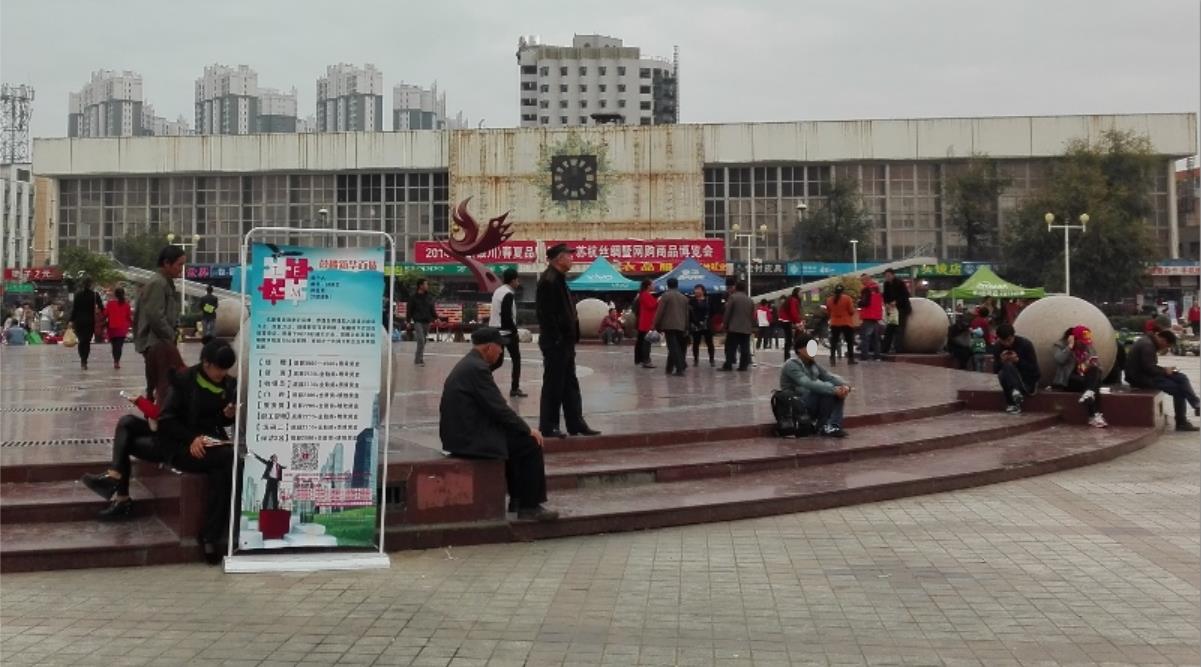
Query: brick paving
x,y
1098,565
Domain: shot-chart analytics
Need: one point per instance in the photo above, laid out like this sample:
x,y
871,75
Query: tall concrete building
x,y
350,99
417,108
16,214
596,79
110,105
277,110
227,100
158,126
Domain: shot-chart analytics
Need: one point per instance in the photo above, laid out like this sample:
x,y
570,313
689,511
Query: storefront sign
x,y
447,270
520,252
208,271
762,268
659,268
948,269
1175,269
314,381
655,252
824,269
33,274
18,288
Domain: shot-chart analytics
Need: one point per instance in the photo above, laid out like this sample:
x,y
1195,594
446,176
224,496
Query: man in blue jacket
x,y
821,392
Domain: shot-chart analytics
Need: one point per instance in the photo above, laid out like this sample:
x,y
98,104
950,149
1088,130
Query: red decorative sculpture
x,y
473,241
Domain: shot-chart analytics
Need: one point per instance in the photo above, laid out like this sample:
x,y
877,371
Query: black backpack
x,y
791,416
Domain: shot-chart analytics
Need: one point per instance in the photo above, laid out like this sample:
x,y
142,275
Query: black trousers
x,y
132,437
118,343
899,335
1090,380
847,334
514,348
217,465
560,388
642,350
1011,379
677,343
738,344
271,495
697,337
84,331
525,472
788,331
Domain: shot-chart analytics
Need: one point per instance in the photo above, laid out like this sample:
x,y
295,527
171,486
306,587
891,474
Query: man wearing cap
x,y
476,422
504,317
558,332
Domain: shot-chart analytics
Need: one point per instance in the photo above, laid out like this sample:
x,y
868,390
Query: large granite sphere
x,y
926,329
1045,320
591,312
227,317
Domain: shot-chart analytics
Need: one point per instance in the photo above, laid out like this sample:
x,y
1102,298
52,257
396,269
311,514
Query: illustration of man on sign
x,y
273,473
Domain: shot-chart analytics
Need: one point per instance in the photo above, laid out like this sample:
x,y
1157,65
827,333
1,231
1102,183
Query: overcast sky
x,y
761,61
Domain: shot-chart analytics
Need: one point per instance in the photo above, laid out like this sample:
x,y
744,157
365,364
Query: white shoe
x,y
1014,409
1087,396
1017,398
1097,421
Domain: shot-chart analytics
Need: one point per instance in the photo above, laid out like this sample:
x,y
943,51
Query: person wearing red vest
x,y
871,313
791,319
645,305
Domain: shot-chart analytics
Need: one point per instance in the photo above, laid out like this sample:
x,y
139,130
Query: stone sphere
x,y
926,329
1045,320
228,319
591,312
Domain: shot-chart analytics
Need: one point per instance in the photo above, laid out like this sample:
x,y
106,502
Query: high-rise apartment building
x,y
110,105
159,126
417,108
277,110
227,100
596,79
350,99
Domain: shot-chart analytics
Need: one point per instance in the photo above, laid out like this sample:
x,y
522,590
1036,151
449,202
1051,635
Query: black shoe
x,y
118,510
517,393
1186,425
679,374
726,369
513,504
744,368
538,513
835,433
711,364
584,431
212,555
554,433
102,485
851,362
647,364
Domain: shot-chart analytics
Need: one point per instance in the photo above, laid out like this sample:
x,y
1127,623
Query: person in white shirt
x,y
504,317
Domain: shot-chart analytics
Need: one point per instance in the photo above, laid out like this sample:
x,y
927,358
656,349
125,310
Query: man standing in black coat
x,y
897,295
558,332
475,422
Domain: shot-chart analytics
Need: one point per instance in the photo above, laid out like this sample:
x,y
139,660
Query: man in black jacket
x,y
896,294
558,332
421,314
1144,372
1016,365
273,473
200,404
476,422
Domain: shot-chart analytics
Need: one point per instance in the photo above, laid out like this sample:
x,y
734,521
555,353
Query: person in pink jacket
x,y
871,314
645,305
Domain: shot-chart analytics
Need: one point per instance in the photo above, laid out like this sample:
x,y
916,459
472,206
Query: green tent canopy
x,y
984,283
602,276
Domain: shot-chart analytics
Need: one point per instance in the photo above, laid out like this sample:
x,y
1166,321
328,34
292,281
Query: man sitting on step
x,y
1016,364
477,423
822,392
1144,372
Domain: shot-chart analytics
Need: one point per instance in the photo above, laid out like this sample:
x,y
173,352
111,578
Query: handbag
x,y
69,338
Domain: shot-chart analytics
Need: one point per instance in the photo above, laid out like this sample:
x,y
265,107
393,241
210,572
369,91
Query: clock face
x,y
573,177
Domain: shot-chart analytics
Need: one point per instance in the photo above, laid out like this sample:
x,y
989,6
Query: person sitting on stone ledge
x,y
475,422
132,437
1144,372
1016,365
820,391
611,329
1077,368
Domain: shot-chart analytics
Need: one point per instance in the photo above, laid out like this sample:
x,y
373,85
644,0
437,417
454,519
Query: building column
x,y
1173,218
888,210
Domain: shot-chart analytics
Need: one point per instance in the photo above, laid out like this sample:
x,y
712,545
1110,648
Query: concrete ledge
x,y
1129,407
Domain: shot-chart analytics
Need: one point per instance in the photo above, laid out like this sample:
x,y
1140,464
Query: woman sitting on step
x,y
1077,368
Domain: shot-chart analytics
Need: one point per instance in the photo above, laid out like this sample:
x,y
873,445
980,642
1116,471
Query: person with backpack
x,y
818,391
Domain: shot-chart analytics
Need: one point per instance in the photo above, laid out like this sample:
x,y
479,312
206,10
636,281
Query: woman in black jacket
x,y
699,323
84,307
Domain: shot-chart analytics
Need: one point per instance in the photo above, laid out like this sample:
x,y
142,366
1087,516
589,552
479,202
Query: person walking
x,y
504,318
671,318
558,333
421,314
154,323
85,308
644,309
871,313
119,316
841,308
739,321
896,294
700,324
208,314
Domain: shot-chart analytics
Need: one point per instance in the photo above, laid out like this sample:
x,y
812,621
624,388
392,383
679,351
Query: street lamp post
x,y
183,280
750,237
800,237
1067,258
855,255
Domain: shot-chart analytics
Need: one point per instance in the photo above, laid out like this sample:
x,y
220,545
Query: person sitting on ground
x,y
822,392
1144,372
1016,365
14,333
475,422
611,328
1077,368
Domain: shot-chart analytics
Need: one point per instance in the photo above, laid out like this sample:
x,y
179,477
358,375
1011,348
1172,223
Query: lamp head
x,y
171,238
762,229
195,238
1084,218
802,206
1049,217
736,227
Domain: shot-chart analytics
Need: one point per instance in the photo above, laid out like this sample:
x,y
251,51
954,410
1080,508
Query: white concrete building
x,y
158,126
277,110
16,216
596,76
417,108
109,105
350,99
227,100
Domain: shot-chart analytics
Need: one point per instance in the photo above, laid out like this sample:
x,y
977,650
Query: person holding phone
x,y
1077,368
1144,372
200,405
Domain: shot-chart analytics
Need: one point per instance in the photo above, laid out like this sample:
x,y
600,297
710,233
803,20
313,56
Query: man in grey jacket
x,y
1144,372
739,321
155,321
671,317
821,392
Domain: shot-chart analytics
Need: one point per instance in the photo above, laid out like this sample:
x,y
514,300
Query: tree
x,y
1111,181
77,262
826,233
139,249
972,205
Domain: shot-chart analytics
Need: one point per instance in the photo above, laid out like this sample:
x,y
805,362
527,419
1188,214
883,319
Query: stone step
x,y
726,458
608,509
33,502
76,544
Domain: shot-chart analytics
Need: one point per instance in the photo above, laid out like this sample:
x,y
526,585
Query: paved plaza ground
x,y
1097,565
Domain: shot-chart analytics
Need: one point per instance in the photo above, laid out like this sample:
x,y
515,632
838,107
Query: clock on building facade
x,y
573,177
